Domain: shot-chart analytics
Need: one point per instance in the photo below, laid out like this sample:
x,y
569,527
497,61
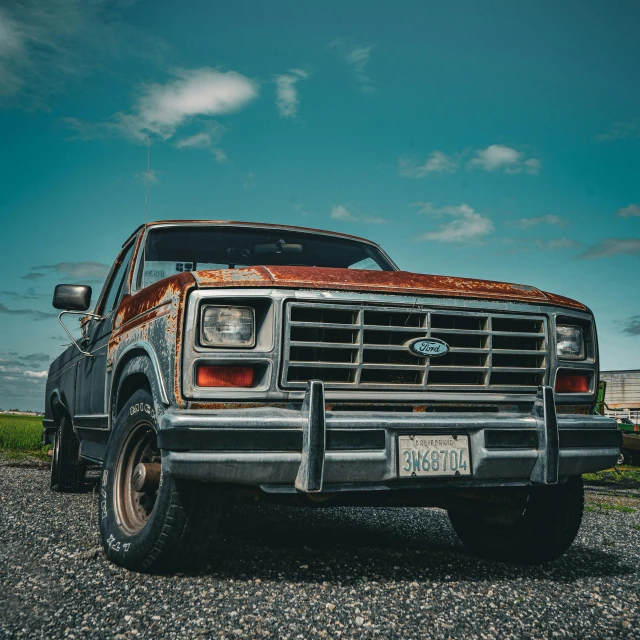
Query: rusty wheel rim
x,y
134,503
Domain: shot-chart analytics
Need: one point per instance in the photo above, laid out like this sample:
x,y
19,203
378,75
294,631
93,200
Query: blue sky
x,y
496,140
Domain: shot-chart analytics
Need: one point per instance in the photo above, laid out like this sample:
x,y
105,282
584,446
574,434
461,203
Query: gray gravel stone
x,y
301,573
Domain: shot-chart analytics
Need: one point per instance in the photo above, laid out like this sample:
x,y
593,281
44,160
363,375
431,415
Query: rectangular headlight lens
x,y
228,327
570,342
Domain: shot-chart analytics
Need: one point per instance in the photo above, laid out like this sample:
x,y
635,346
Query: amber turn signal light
x,y
224,376
572,383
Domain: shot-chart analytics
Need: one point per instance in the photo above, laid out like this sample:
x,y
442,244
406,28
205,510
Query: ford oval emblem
x,y
428,347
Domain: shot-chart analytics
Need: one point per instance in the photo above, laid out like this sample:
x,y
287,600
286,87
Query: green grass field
x,y
20,436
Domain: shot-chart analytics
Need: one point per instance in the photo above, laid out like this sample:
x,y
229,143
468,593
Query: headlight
x,y
570,342
228,327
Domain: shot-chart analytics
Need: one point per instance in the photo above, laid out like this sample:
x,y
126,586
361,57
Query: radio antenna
x,y
146,203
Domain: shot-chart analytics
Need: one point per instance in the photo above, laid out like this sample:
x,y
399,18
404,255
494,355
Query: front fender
x,y
138,360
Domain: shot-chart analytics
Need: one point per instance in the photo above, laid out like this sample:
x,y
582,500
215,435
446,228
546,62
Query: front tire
x,y
539,527
68,472
149,521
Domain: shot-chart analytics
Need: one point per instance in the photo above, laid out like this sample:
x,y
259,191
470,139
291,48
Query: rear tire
x,y
68,472
165,526
624,458
539,529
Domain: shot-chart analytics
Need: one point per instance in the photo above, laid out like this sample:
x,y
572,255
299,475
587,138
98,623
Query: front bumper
x,y
312,450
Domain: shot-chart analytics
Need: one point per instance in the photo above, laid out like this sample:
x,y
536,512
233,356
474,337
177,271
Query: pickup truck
x,y
228,361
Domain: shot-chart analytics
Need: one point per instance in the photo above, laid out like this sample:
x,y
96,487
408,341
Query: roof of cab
x,y
234,223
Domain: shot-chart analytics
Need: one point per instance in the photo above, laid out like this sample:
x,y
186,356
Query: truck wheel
x,y
540,528
624,458
67,470
149,521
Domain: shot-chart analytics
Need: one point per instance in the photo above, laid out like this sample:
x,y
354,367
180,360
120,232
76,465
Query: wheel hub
x,y
137,479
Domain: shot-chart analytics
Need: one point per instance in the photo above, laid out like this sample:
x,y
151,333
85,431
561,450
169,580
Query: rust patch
x,y
234,405
145,318
379,281
577,409
233,277
156,294
136,313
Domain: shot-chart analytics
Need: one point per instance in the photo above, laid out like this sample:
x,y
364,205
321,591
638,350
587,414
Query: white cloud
x,y
467,225
632,211
45,45
613,247
287,94
497,157
357,58
340,212
35,374
161,109
552,219
437,162
531,166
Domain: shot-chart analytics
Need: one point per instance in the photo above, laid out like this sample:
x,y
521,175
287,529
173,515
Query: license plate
x,y
429,456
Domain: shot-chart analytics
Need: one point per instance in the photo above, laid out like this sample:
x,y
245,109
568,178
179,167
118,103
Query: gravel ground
x,y
298,573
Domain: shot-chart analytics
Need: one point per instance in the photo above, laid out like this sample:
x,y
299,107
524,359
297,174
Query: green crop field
x,y
21,435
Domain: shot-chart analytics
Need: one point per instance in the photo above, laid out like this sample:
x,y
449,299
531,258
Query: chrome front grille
x,y
356,346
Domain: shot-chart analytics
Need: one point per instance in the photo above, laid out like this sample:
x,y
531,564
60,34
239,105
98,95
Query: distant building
x,y
623,393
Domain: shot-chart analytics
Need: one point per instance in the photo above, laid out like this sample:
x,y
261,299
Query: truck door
x,y
91,397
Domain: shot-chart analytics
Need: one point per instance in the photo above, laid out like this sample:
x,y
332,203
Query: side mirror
x,y
72,297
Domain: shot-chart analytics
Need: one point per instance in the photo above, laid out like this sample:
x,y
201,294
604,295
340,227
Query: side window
x,y
117,282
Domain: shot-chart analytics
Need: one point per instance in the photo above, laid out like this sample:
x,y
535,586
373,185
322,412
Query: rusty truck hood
x,y
379,282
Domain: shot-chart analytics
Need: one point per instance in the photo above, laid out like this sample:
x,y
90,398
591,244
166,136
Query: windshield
x,y
170,250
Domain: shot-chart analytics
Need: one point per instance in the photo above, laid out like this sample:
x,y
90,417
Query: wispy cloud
x,y
340,212
633,326
80,270
33,276
556,243
467,225
31,313
498,157
357,57
621,130
161,109
45,45
613,247
551,219
141,176
30,294
632,211
437,162
249,181
287,99
209,138
22,374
